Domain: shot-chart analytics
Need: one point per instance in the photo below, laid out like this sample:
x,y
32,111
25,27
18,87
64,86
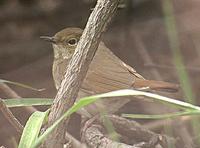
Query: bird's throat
x,y
61,52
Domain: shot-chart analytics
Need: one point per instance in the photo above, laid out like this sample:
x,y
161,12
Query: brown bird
x,y
106,72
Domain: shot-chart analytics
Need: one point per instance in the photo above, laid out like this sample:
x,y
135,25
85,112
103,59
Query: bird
x,y
106,73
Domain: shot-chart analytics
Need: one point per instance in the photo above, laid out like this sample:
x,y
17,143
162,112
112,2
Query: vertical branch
x,y
78,66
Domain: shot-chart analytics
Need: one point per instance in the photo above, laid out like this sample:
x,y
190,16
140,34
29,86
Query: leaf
x,y
126,92
27,102
162,116
32,129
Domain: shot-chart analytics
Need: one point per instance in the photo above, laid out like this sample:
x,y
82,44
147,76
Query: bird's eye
x,y
72,41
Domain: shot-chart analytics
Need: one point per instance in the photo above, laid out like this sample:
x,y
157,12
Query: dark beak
x,y
49,39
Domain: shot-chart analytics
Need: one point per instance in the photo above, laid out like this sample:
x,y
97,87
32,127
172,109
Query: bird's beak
x,y
49,39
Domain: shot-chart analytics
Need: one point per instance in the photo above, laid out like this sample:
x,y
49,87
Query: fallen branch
x,y
129,130
95,138
137,132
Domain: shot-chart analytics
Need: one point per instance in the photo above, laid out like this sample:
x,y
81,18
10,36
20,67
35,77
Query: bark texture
x,y
78,67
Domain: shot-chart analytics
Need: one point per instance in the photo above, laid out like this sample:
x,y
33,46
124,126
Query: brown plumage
x,y
106,72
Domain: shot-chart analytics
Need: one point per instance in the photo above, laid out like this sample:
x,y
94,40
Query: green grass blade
x,y
173,36
163,116
112,134
154,97
32,129
88,100
21,85
79,104
27,102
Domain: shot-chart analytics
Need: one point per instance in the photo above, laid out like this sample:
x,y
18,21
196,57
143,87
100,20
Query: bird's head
x,y
64,42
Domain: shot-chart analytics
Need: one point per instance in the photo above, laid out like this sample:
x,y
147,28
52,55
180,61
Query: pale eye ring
x,y
72,41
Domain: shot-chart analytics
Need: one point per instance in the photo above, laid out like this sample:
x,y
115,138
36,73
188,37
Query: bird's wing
x,y
108,73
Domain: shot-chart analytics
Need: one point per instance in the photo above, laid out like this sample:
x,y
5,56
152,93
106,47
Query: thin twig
x,y
78,67
11,118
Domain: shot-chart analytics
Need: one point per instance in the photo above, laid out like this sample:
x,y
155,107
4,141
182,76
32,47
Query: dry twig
x,y
11,118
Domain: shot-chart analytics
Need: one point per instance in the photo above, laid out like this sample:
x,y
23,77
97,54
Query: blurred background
x,y
137,34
